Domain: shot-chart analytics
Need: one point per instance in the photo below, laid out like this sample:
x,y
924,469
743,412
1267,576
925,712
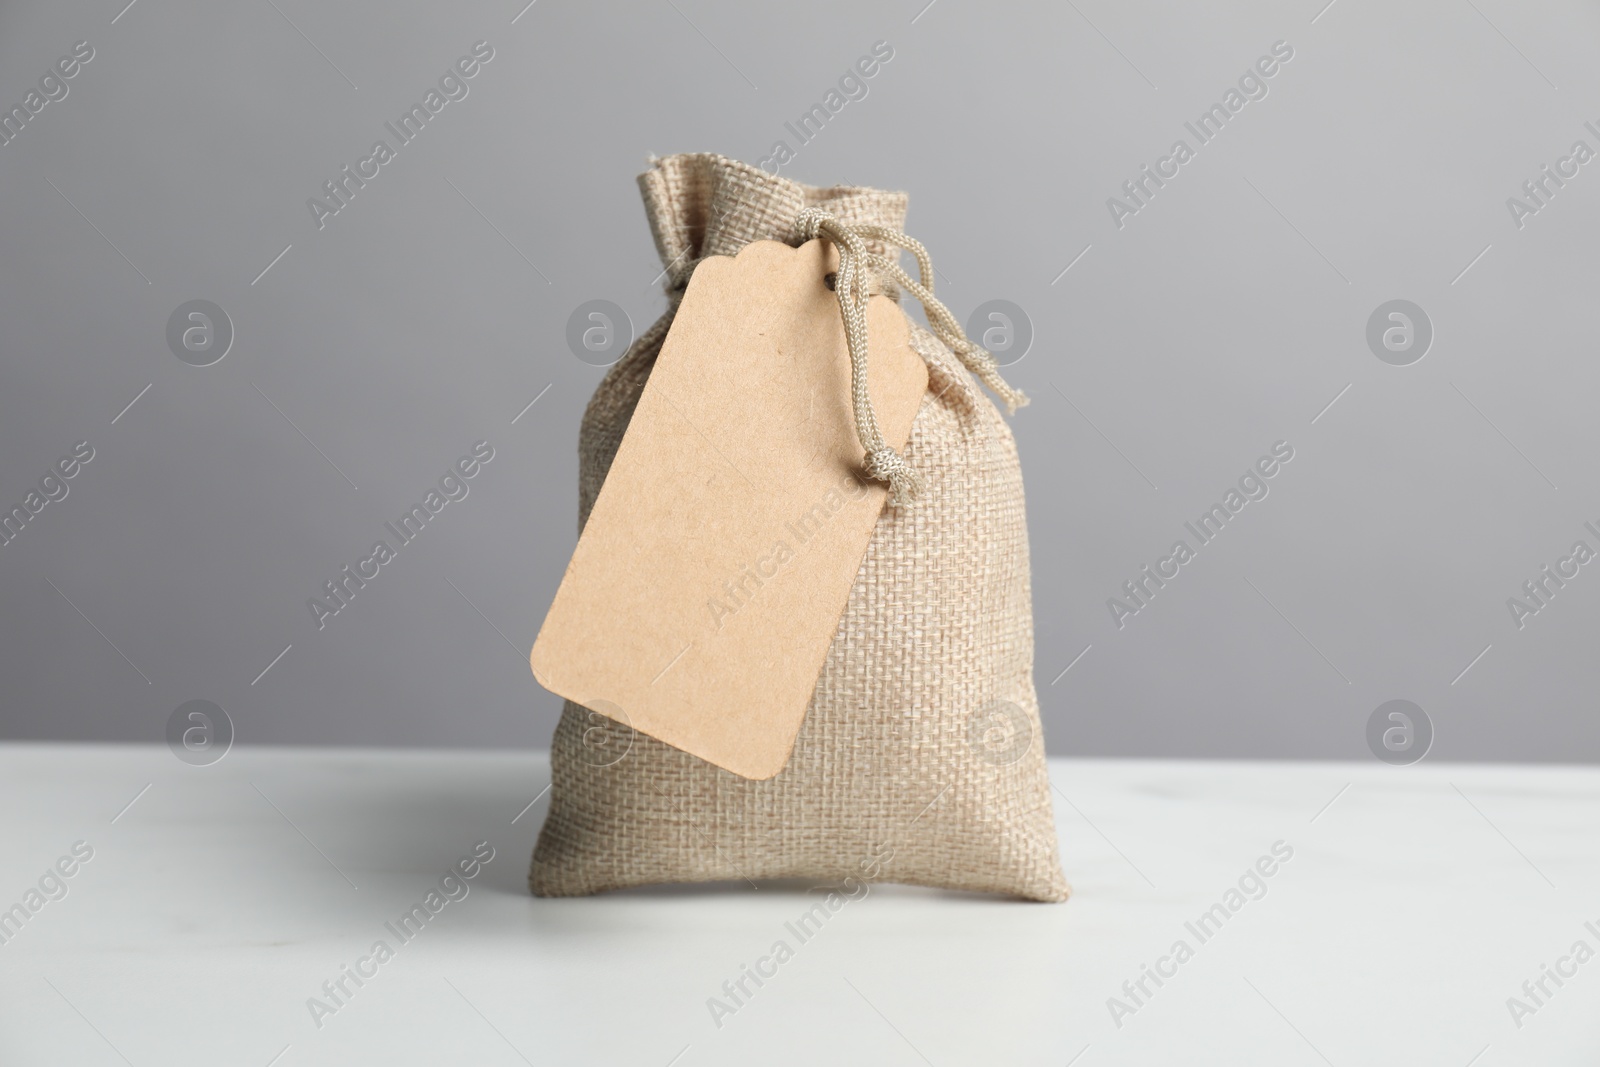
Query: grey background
x,y
1222,318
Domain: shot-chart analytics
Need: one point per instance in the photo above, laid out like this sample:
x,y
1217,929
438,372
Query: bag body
x,y
920,759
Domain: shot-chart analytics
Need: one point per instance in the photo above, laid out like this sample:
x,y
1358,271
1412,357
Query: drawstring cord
x,y
852,285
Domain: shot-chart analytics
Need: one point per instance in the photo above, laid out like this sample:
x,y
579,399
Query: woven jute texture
x,y
920,759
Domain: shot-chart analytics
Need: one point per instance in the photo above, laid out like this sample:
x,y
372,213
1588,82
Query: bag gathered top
x,y
920,758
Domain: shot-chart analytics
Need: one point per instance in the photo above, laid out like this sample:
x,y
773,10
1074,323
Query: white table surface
x,y
1417,901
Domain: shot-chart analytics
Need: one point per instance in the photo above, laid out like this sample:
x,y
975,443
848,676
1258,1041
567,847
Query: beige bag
x,y
920,759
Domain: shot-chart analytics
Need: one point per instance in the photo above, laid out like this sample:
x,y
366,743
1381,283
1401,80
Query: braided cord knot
x,y
858,267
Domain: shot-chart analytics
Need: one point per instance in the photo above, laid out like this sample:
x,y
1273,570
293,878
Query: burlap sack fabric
x,y
920,759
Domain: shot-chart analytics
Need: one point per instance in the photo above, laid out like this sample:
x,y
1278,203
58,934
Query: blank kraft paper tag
x,y
710,578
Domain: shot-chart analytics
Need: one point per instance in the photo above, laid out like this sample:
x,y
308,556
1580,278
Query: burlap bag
x,y
920,759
